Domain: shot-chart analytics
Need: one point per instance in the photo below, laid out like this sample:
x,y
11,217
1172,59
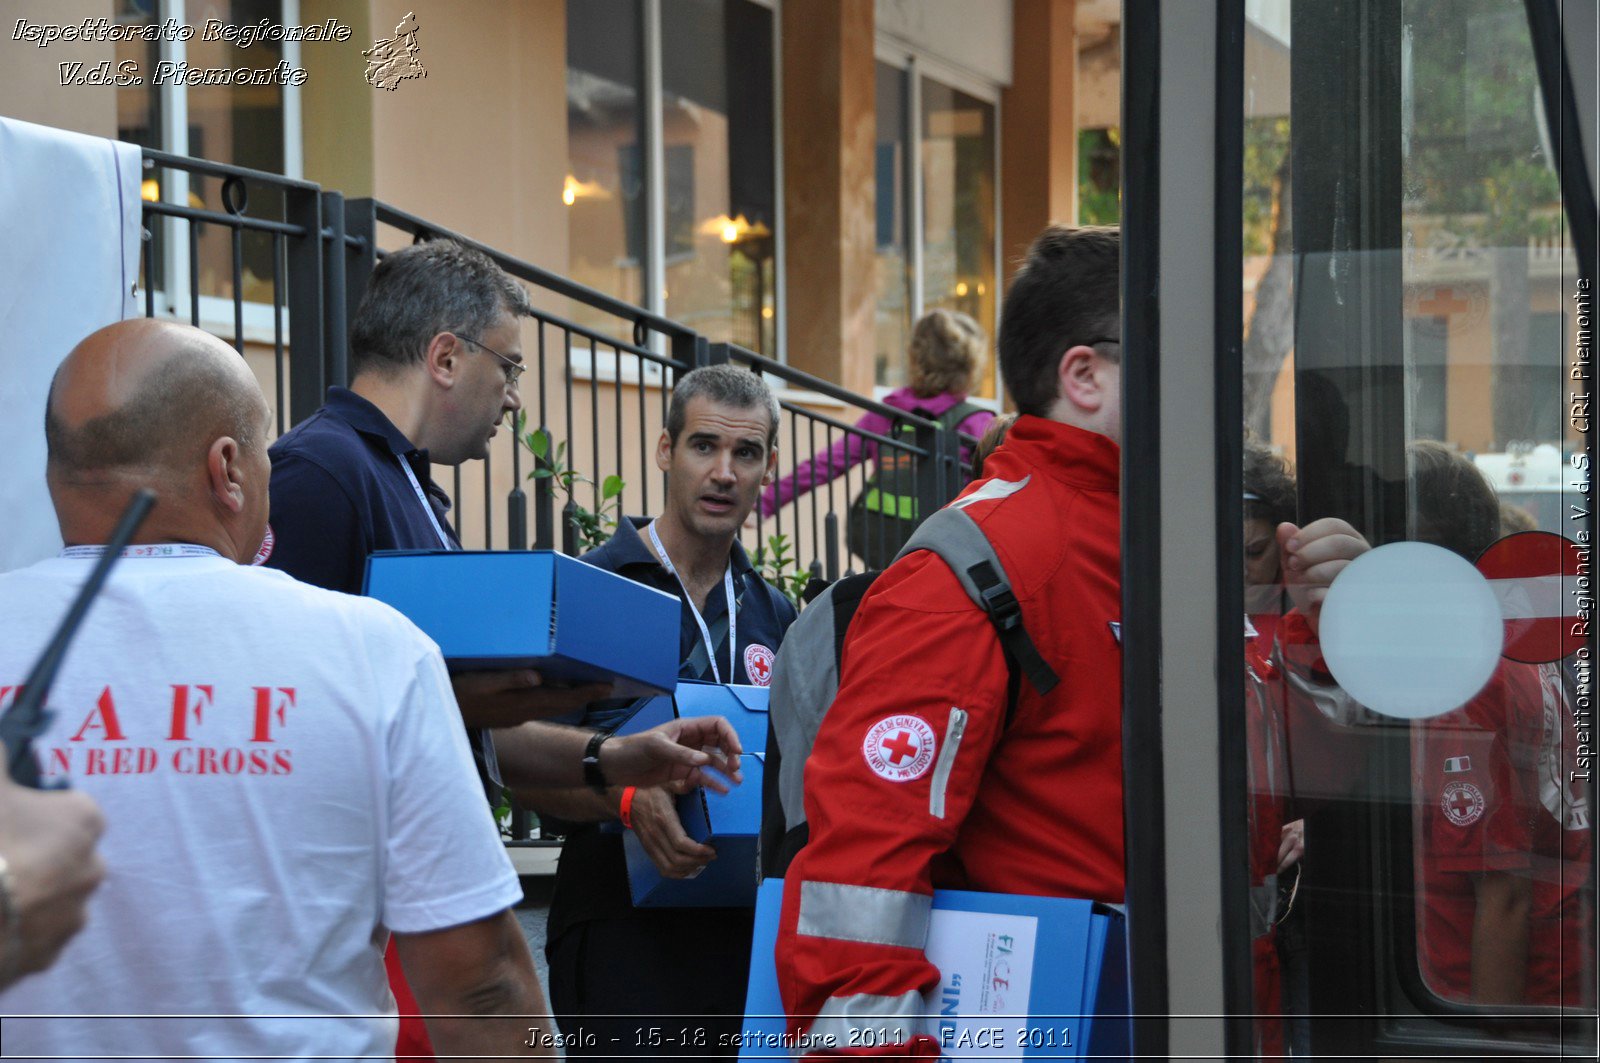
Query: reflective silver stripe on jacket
x,y
864,1020
947,760
864,914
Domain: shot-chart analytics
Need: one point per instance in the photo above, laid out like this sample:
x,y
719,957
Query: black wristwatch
x,y
592,775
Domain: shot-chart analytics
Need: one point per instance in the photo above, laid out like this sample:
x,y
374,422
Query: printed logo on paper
x,y
1457,765
758,664
265,550
1462,803
900,748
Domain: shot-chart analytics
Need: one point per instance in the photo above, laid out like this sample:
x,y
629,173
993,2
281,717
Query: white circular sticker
x,y
899,748
758,664
1411,630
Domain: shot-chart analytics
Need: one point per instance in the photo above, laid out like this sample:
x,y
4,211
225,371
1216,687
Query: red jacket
x,y
916,782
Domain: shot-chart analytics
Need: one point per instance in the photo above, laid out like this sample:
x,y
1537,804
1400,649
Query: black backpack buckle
x,y
998,601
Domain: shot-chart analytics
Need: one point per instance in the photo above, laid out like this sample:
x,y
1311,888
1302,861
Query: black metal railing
x,y
596,391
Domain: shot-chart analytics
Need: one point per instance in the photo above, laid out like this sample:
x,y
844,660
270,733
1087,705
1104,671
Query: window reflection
x,y
238,124
717,124
1451,415
958,207
893,321
1501,839
604,187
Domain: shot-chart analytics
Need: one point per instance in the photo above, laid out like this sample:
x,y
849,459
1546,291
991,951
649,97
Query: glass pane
x,y
1488,276
958,208
1422,843
604,186
139,113
720,207
238,125
893,321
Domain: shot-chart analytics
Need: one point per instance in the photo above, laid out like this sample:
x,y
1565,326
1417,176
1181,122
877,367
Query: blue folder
x,y
1078,1006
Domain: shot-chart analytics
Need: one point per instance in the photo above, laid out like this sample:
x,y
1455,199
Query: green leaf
x,y
538,442
611,487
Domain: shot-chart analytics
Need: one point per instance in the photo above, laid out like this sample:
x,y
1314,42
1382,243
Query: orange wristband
x,y
625,809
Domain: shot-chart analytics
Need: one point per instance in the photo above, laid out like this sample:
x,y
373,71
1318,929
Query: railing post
x,y
361,222
939,469
307,371
690,348
569,529
830,545
336,332
717,354
544,504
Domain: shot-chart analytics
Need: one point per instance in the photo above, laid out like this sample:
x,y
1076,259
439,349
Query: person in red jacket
x,y
916,780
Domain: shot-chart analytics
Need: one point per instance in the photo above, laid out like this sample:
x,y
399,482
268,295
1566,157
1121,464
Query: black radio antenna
x,y
27,716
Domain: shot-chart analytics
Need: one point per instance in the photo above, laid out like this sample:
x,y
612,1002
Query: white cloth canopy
x,y
70,229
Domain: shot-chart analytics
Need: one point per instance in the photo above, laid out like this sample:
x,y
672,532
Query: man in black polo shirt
x,y
616,970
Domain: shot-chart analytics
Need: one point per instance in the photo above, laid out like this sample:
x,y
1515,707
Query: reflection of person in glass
x,y
1277,844
1501,835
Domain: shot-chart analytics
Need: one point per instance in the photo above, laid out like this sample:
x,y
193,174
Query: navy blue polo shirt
x,y
339,493
592,879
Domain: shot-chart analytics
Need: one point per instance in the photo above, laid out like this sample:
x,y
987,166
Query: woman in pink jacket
x,y
946,349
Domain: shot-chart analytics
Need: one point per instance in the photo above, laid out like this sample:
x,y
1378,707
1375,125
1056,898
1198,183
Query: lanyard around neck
x,y
427,507
705,632
144,550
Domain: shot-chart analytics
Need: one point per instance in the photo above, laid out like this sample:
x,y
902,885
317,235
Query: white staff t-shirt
x,y
285,780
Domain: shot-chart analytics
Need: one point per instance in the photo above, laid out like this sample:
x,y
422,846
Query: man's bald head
x,y
147,398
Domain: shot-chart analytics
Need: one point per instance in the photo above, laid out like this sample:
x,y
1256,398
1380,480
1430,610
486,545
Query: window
x,y
705,256
893,319
937,158
254,127
1431,319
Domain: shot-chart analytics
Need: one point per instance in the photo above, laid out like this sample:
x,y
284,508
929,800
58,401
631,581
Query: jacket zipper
x,y
947,761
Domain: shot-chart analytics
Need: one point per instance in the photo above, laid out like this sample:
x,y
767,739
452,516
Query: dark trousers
x,y
656,982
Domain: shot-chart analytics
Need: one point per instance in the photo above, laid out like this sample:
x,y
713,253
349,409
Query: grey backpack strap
x,y
805,679
957,539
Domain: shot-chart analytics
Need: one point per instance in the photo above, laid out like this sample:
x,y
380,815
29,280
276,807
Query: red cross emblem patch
x,y
899,748
265,550
758,664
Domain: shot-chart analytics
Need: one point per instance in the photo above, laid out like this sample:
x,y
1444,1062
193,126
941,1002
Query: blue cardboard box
x,y
731,824
745,707
1039,977
534,609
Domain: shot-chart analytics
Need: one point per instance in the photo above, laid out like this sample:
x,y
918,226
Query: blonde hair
x,y
946,349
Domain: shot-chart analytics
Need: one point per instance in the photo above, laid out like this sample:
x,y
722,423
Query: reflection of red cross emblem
x,y
1443,303
1462,803
900,747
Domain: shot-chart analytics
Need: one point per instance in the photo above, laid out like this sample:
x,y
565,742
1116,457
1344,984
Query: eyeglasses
x,y
1099,340
512,370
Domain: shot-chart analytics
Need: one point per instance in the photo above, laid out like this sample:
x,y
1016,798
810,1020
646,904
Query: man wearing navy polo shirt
x,y
616,970
435,352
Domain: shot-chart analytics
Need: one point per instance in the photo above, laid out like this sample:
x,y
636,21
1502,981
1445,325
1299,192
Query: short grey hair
x,y
425,289
726,384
